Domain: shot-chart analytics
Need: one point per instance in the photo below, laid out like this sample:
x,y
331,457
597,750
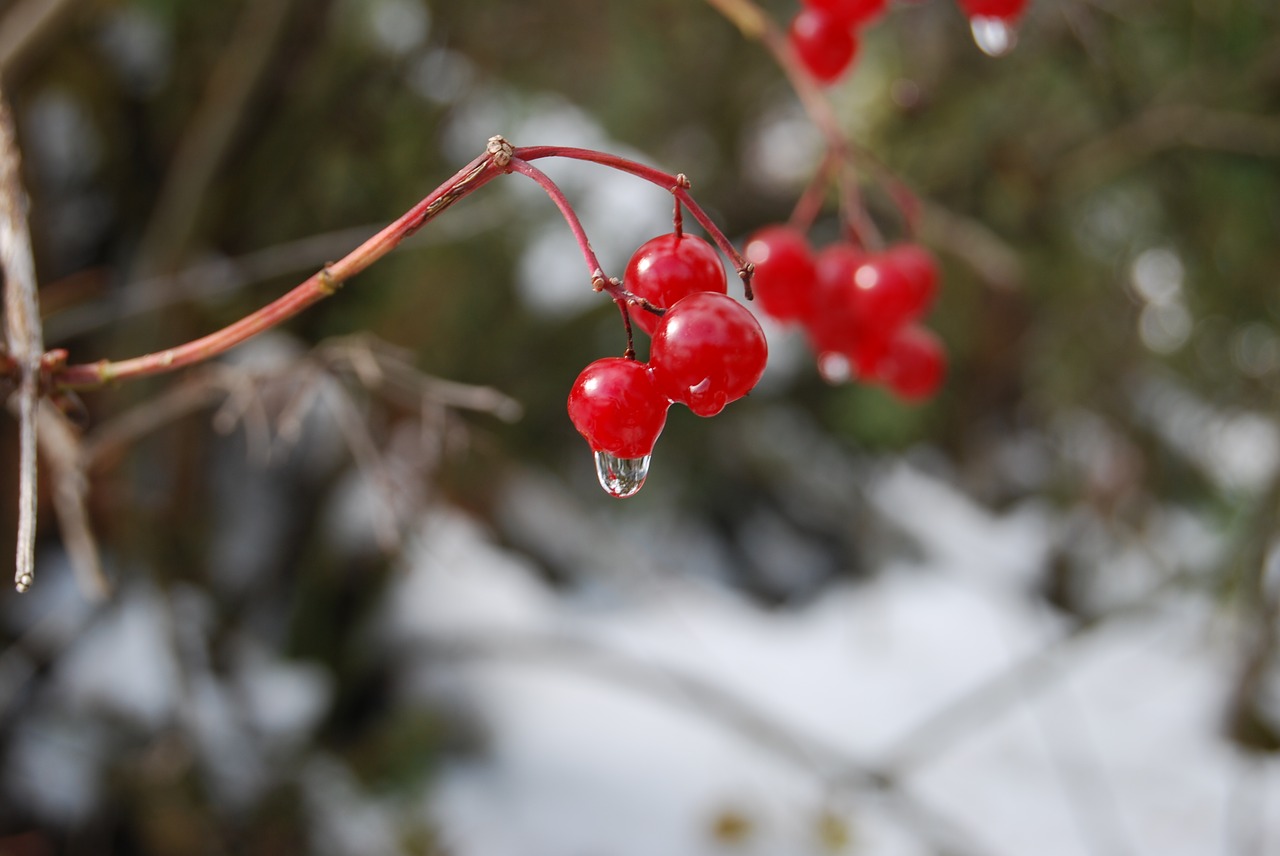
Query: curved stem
x,y
600,282
676,185
556,195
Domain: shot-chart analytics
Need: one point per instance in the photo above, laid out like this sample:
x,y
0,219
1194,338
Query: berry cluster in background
x,y
860,310
825,33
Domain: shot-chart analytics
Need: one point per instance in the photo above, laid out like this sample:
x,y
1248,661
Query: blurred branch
x,y
223,276
62,452
1164,127
209,135
831,765
995,262
25,26
391,371
1020,681
23,335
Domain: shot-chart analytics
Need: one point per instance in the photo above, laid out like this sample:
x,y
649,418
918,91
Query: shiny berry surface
x,y
824,43
784,279
617,408
918,267
883,295
669,267
708,350
833,320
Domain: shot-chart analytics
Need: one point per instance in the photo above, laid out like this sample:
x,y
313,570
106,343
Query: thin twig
x,y
22,330
63,453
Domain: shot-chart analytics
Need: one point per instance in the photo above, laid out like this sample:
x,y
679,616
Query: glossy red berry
x,y
917,266
883,295
913,364
824,43
1005,10
852,13
833,320
785,276
669,267
708,350
617,408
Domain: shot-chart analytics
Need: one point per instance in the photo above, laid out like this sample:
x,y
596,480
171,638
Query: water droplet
x,y
834,367
621,477
994,36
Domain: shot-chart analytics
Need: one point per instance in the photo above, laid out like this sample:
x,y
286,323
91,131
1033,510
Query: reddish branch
x,y
317,287
499,158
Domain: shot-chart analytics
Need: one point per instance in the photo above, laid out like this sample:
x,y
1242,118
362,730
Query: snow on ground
x,y
629,725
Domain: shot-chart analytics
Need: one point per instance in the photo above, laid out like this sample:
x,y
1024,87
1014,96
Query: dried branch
x,y
63,453
22,331
1164,127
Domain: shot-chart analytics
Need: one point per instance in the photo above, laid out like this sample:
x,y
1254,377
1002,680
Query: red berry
x,y
823,42
833,321
852,13
785,277
913,364
617,408
1006,10
708,350
883,295
917,266
669,267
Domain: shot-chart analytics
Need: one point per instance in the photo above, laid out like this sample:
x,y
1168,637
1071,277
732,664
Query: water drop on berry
x,y
994,36
621,477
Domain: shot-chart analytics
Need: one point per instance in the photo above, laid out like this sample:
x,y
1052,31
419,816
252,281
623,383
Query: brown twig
x,y
22,331
63,453
1164,127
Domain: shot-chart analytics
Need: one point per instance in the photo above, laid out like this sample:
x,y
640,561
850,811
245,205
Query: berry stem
x,y
811,200
677,185
756,25
498,159
594,270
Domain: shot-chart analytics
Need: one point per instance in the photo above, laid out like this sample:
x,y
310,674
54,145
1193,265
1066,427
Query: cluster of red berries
x,y
824,33
706,351
859,309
